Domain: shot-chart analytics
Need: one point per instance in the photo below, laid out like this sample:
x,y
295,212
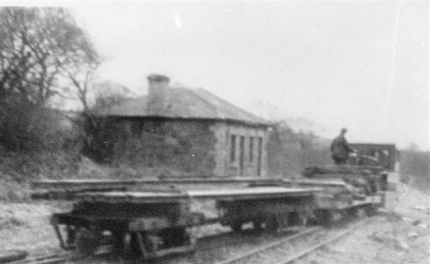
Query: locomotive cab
x,y
385,156
368,181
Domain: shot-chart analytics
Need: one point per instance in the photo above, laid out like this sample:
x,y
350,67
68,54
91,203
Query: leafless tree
x,y
40,49
108,94
37,46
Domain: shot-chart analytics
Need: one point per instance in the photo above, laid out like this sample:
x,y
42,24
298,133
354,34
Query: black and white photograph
x,y
214,132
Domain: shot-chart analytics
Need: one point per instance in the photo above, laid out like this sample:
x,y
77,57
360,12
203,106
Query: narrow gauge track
x,y
50,259
285,252
284,249
63,258
70,258
215,248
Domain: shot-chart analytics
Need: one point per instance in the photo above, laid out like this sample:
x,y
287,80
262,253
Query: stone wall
x,y
187,147
181,145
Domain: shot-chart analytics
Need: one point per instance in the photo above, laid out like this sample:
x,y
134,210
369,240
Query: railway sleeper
x,y
85,238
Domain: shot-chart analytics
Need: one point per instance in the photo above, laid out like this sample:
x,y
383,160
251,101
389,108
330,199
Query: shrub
x,y
415,168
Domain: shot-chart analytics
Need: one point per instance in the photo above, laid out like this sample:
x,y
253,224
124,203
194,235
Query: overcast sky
x,y
360,65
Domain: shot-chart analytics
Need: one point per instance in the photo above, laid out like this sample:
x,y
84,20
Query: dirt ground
x,y
401,236
25,226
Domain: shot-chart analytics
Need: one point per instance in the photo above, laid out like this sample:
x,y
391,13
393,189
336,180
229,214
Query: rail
x,y
49,259
270,246
320,245
248,256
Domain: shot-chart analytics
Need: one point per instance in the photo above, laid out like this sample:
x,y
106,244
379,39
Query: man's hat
x,y
344,130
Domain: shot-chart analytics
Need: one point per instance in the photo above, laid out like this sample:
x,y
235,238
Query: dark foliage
x,y
151,143
101,133
39,48
415,167
289,152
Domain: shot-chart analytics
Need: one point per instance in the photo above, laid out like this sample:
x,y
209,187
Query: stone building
x,y
189,130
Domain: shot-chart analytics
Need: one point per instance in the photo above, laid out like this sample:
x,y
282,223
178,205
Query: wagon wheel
x,y
371,209
236,226
119,241
331,217
272,224
177,236
71,234
142,246
284,220
287,220
87,241
133,245
303,219
360,212
258,224
324,217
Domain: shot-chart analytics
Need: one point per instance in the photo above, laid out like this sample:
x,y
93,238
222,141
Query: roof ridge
x,y
189,103
249,114
203,100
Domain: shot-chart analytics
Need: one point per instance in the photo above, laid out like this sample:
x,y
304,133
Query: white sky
x,y
360,65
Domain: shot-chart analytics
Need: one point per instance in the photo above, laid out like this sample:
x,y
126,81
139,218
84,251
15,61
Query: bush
x,y
38,143
415,168
27,127
290,152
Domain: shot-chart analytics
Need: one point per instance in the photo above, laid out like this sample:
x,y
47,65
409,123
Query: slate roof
x,y
186,104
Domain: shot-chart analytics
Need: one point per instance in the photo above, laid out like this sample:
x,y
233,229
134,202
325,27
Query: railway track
x,y
50,259
286,251
63,258
284,248
243,257
98,258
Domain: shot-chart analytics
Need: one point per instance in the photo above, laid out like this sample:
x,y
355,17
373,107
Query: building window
x,y
241,155
260,155
251,149
232,148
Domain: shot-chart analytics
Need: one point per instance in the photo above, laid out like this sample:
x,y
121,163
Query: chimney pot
x,y
157,94
158,78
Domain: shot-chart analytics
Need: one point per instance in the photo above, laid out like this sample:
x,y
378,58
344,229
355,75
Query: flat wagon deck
x,y
163,197
153,217
155,223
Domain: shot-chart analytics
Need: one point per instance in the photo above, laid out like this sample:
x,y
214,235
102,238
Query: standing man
x,y
340,148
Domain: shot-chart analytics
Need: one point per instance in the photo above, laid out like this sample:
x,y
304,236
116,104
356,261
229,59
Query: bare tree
x,y
81,76
99,129
39,47
108,94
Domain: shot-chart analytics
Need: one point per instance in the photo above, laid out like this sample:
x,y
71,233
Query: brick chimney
x,y
157,94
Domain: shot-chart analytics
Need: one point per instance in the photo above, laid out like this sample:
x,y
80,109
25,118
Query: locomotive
x,y
151,218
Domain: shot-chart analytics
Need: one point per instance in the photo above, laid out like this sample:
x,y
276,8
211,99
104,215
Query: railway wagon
x,y
271,208
368,181
150,219
151,224
147,224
